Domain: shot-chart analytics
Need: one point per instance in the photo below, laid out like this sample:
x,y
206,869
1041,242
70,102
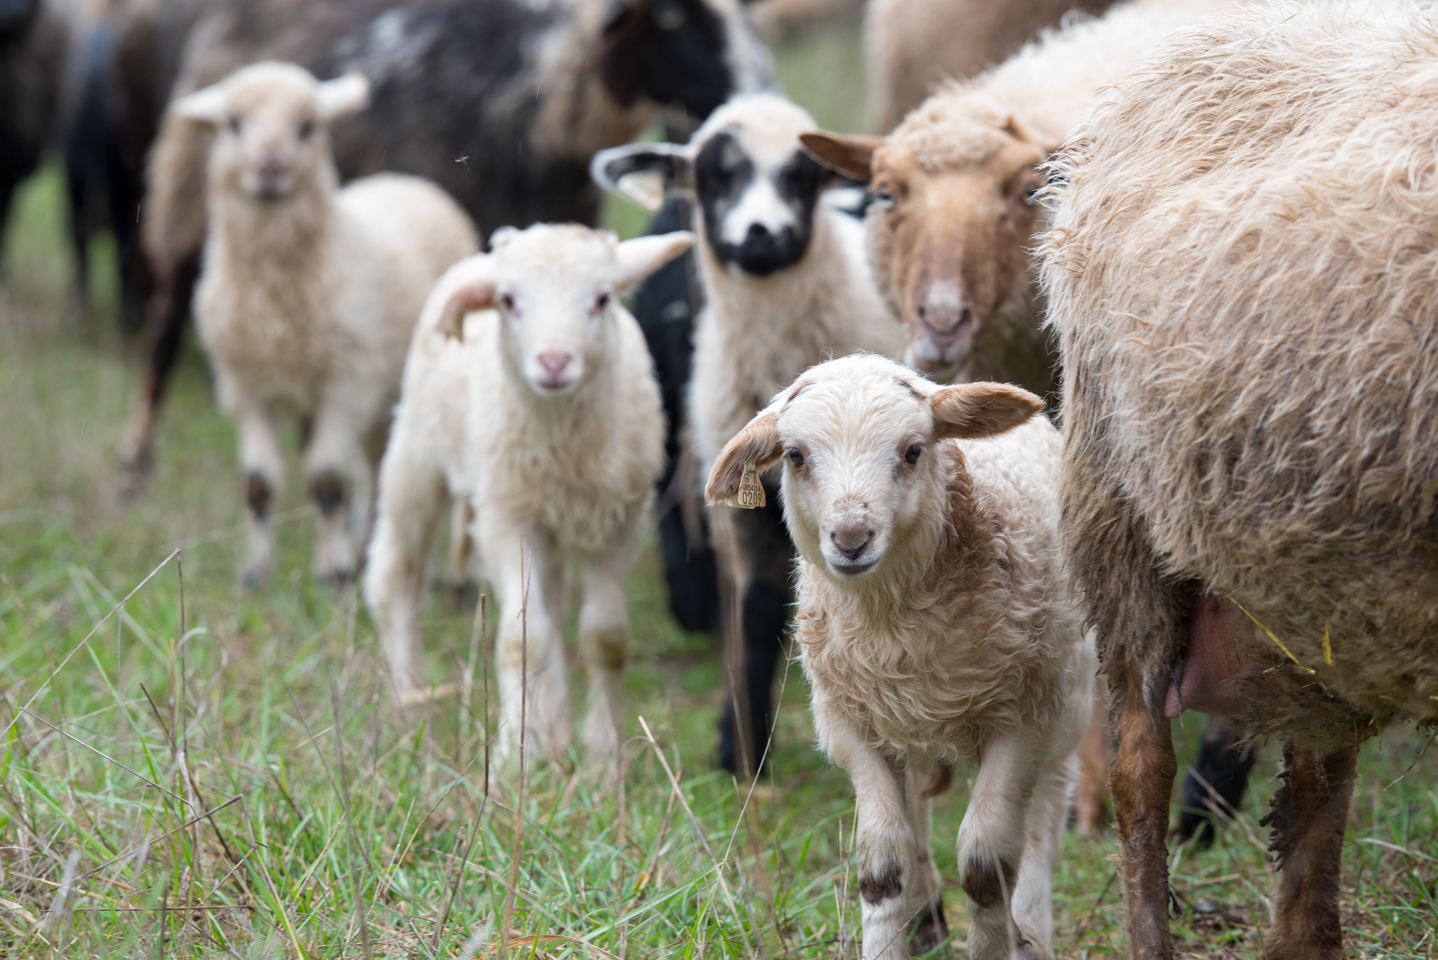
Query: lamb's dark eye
x,y
883,197
912,454
796,458
507,302
307,127
236,122
600,302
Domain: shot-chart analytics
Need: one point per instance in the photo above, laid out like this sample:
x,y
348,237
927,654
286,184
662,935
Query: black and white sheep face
x,y
757,191
271,122
758,196
862,443
696,53
555,291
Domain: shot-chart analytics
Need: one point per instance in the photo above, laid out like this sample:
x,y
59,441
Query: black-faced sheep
x,y
501,102
1241,272
936,628
309,294
785,286
528,394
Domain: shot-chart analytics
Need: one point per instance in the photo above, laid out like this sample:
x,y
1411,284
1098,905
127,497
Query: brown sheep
x,y
952,217
1241,273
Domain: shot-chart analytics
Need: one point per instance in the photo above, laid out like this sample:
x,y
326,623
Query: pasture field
x,y
189,769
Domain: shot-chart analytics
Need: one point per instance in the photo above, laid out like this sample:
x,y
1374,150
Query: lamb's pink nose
x,y
554,361
851,537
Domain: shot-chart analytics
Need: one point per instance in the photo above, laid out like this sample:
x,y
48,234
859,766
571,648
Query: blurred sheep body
x,y
1241,274
912,46
785,286
500,102
309,294
35,41
953,216
540,411
935,628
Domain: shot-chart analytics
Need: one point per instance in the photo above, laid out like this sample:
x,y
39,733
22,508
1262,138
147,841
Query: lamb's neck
x,y
797,297
279,236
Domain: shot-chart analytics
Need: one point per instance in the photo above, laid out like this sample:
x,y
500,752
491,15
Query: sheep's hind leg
x,y
263,464
412,494
928,928
1308,815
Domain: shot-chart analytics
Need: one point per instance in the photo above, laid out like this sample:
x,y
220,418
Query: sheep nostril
x,y
852,540
554,361
756,232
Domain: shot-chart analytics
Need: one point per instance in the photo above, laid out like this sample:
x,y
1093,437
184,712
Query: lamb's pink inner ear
x,y
467,299
757,443
972,411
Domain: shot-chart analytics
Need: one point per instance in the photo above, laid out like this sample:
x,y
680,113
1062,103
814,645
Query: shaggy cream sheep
x,y
786,286
309,294
1241,272
528,394
912,46
935,627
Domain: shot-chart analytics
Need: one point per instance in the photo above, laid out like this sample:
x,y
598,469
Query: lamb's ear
x,y
206,105
642,173
471,296
757,445
640,257
970,411
848,153
342,96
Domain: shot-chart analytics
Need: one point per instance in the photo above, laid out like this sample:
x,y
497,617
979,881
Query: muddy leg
x,y
1308,815
1142,778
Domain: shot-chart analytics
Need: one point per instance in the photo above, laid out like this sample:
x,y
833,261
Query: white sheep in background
x,y
309,294
539,409
786,285
935,627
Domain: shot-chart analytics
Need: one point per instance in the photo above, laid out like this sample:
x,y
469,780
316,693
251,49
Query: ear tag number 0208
x,y
751,490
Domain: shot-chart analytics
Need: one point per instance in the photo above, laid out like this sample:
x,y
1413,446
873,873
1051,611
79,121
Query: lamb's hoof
x,y
255,579
135,472
338,579
930,929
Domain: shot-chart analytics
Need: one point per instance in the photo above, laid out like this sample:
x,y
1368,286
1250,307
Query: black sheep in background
x,y
34,48
501,102
665,306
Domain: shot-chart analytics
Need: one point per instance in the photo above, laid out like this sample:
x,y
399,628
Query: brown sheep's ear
x,y
851,154
972,411
476,295
756,445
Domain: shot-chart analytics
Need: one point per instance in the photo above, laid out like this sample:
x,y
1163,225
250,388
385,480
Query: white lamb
x,y
309,294
935,627
529,394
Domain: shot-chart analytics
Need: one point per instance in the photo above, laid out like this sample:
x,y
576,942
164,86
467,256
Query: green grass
x,y
201,771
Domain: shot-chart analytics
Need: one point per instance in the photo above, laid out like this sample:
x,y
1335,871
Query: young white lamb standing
x,y
529,394
935,628
309,294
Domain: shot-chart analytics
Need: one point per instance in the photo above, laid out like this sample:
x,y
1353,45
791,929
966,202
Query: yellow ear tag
x,y
751,491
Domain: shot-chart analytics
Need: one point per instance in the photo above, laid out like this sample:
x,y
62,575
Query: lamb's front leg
x,y
341,481
604,642
533,689
263,463
991,844
888,868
